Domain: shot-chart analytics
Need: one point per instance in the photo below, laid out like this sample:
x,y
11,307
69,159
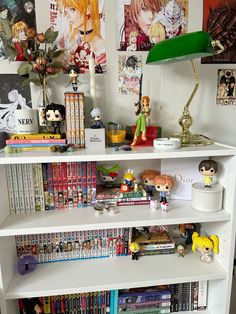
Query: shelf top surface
x,y
78,219
111,273
108,154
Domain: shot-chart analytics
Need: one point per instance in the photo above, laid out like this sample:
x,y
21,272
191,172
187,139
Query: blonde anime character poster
x,y
143,23
81,32
226,88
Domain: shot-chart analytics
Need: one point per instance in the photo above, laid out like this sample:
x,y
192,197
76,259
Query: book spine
x,y
79,184
89,183
55,184
10,189
74,183
84,182
30,177
45,187
65,185
121,203
40,141
158,246
20,188
60,186
68,118
77,119
202,295
69,184
35,145
25,168
35,136
72,118
50,186
81,114
36,187
41,192
94,181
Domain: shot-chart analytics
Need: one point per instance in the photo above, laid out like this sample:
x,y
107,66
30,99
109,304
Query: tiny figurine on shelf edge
x,y
164,206
55,114
143,111
147,179
163,184
206,246
108,175
186,232
102,207
208,169
32,306
73,72
180,249
134,248
153,205
96,115
129,180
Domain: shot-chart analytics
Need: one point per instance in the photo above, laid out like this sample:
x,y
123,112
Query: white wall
x,y
168,86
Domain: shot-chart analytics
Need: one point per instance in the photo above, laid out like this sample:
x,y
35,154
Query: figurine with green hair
x,y
108,175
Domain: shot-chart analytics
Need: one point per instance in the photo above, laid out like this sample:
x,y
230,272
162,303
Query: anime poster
x,y
17,23
130,70
81,32
143,23
226,89
219,19
12,96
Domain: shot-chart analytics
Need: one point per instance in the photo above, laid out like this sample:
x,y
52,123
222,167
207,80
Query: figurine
x,y
207,246
129,178
164,206
186,231
163,184
32,306
147,179
55,114
73,72
102,207
208,169
180,249
108,175
96,114
134,248
143,111
153,205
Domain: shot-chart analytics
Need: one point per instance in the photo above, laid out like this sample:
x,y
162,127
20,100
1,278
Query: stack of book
x,y
115,197
27,142
58,185
54,247
74,103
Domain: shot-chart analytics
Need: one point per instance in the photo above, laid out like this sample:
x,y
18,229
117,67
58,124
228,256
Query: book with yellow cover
x,y
35,136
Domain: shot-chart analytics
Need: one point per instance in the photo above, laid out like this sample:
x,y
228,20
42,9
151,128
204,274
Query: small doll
x,y
147,179
96,114
206,246
208,169
153,205
180,249
164,206
163,184
134,248
73,72
55,114
129,178
108,175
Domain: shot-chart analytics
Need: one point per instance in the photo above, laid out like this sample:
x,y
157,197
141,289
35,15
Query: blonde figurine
x,y
134,248
156,33
206,246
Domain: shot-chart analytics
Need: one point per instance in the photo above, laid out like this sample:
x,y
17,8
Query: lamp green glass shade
x,y
184,47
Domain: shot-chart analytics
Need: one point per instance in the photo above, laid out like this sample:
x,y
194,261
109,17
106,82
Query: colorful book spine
x,y
55,184
35,136
24,169
60,186
35,145
130,203
50,186
74,184
69,184
72,117
39,141
11,196
81,124
89,183
68,118
64,184
84,182
77,119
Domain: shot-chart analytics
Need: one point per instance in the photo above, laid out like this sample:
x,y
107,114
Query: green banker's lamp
x,y
186,47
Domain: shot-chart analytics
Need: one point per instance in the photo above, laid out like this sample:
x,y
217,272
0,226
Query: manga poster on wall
x,y
219,20
13,96
17,24
143,23
226,89
129,74
81,32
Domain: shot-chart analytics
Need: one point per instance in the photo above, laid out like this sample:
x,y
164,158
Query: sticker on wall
x,y
13,96
130,70
143,23
219,20
81,32
226,89
17,22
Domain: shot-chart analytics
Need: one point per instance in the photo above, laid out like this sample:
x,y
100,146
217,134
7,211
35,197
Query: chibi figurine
x,y
180,249
134,248
108,175
102,207
96,114
164,206
32,306
208,169
73,72
163,184
143,111
129,178
147,179
186,231
55,114
206,246
153,205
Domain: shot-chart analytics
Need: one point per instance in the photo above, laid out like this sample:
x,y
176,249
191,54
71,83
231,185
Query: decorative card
x,y
226,89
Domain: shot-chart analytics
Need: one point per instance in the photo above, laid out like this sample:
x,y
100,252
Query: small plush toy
x,y
206,246
55,114
208,169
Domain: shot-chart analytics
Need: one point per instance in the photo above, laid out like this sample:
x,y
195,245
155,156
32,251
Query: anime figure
x,y
206,246
153,205
129,178
163,184
180,249
132,41
96,114
134,248
73,72
208,169
164,206
20,40
55,114
108,175
143,112
186,231
32,306
147,179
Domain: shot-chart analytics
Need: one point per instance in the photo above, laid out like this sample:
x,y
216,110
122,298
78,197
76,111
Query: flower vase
x,y
43,101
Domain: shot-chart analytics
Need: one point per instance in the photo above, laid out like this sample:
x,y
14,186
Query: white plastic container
x,y
207,199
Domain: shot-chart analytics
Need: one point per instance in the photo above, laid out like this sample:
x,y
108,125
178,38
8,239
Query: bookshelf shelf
x,y
111,273
85,219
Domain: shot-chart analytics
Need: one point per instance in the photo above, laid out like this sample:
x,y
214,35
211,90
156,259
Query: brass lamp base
x,y
193,140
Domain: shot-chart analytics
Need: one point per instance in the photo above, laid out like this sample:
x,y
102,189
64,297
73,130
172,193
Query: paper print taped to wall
x,y
130,70
81,32
12,96
219,19
226,89
143,23
17,22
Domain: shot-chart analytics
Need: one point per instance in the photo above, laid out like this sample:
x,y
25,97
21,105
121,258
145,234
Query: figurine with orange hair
x,y
163,184
147,179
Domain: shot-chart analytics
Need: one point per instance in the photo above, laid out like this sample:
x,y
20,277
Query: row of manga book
x,y
49,186
53,247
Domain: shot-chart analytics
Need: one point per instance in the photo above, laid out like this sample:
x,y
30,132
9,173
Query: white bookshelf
x,y
120,272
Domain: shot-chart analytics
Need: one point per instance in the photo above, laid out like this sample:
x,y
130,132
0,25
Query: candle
x,y
92,81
